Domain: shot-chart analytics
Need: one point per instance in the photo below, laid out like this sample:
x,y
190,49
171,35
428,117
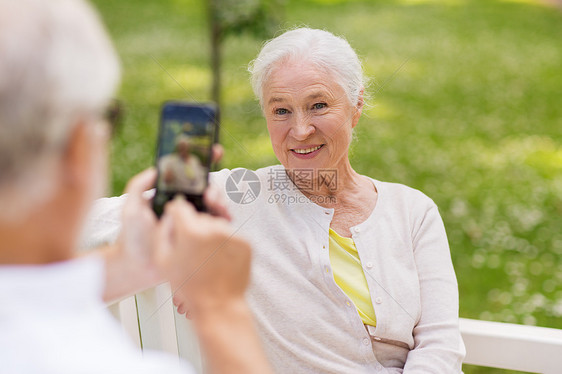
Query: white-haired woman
x,y
350,274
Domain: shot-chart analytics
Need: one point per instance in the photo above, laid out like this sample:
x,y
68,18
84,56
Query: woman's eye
x,y
319,106
281,111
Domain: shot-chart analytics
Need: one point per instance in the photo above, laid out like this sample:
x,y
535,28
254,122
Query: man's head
x,y
57,73
183,146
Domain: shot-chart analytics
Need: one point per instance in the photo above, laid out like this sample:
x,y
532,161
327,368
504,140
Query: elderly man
x,y
181,170
57,72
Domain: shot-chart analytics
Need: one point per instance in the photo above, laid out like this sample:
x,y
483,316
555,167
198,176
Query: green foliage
x,y
472,118
257,17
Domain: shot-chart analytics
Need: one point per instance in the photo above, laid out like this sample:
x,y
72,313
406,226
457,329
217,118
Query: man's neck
x,y
41,238
23,248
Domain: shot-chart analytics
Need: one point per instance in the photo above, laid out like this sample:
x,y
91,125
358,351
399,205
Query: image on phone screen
x,y
184,152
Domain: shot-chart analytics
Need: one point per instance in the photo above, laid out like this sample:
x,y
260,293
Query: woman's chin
x,y
305,164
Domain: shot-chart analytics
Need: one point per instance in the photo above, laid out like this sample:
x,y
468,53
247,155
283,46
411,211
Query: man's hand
x,y
216,206
209,268
130,265
205,262
130,261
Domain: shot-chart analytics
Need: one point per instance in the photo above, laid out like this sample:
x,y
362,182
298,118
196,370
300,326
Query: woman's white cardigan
x,y
306,322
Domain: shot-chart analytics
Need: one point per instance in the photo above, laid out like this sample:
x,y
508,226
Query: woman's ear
x,y
358,108
361,100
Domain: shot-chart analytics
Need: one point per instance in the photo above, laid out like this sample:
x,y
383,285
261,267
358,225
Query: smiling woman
x,y
356,275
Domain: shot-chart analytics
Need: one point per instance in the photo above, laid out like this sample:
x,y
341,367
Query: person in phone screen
x,y
182,170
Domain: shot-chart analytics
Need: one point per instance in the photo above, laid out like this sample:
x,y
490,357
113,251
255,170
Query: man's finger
x,y
182,212
140,183
215,203
163,239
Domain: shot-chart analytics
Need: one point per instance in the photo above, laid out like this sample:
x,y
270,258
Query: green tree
x,y
260,18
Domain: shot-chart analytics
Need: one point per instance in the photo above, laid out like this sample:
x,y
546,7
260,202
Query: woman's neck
x,y
335,187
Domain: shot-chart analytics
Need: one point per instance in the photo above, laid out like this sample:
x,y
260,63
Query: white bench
x,y
514,347
151,321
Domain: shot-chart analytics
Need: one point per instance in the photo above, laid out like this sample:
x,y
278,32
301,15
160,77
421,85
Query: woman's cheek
x,y
277,141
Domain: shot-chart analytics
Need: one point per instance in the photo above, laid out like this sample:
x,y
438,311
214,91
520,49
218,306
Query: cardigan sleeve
x,y
103,223
438,346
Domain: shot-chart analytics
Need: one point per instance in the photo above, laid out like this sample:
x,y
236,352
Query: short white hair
x,y
319,47
57,66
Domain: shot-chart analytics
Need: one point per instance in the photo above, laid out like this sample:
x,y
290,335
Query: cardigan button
x,y
366,341
357,229
369,265
378,300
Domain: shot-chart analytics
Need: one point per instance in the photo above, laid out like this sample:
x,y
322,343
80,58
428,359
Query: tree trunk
x,y
216,39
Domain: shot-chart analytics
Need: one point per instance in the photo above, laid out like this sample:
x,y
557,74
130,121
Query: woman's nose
x,y
302,127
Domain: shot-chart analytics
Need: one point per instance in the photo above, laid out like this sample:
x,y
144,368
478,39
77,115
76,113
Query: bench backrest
x,y
152,322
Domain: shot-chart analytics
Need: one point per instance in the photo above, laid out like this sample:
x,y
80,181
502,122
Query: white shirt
x,y
307,323
53,320
187,175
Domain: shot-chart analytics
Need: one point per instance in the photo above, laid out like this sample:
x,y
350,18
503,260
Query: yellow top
x,y
349,275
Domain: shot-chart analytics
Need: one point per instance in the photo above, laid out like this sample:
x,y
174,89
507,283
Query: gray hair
x,y
319,47
57,66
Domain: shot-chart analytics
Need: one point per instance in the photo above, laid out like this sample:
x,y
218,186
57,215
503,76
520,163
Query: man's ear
x,y
76,159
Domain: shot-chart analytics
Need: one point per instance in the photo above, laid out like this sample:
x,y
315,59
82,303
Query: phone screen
x,y
184,152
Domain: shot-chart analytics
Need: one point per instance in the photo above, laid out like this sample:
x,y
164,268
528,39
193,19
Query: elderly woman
x,y
350,274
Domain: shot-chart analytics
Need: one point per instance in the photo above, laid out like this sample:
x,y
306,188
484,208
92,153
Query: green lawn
x,y
473,118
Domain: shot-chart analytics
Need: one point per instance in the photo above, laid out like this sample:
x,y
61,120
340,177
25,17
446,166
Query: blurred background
x,y
466,105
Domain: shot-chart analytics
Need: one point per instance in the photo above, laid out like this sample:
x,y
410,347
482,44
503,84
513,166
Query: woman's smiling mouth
x,y
308,152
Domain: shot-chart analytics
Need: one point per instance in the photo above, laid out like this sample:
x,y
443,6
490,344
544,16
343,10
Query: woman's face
x,y
309,117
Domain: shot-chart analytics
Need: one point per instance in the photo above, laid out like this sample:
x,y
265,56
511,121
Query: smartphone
x,y
184,152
